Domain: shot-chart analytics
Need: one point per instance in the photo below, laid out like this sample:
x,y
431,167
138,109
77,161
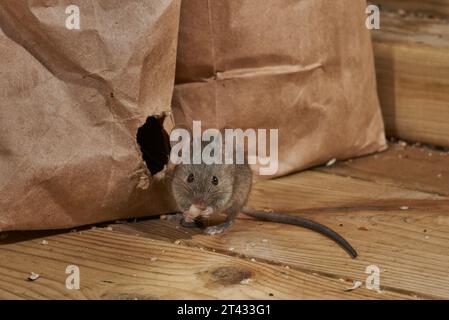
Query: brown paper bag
x,y
71,104
303,67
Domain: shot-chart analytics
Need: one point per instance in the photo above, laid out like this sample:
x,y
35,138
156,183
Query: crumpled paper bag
x,y
71,104
303,67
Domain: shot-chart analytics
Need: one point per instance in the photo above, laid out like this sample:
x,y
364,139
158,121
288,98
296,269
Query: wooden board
x,y
433,7
405,233
117,266
404,166
412,67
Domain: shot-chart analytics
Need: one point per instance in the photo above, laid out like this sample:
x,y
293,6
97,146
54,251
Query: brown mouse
x,y
202,190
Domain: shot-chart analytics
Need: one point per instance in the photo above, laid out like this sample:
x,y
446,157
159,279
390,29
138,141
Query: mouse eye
x,y
190,178
214,180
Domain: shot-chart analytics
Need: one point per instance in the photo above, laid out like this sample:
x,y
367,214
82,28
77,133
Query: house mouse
x,y
202,190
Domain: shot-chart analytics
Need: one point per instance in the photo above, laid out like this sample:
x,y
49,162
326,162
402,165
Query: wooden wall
x,y
412,66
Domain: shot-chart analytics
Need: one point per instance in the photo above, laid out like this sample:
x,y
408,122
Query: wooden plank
x,y
432,7
401,165
409,246
412,67
314,189
118,266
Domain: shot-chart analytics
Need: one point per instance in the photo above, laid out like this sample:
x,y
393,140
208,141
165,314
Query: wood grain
x,y
433,7
404,232
412,67
403,166
118,266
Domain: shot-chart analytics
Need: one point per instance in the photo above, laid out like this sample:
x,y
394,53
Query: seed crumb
x,y
403,208
178,242
153,259
44,242
331,162
356,284
33,276
245,281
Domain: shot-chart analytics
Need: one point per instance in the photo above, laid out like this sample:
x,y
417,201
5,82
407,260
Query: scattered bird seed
x,y
245,281
356,285
153,259
231,248
33,276
253,260
44,242
403,208
331,162
265,240
109,228
178,242
163,217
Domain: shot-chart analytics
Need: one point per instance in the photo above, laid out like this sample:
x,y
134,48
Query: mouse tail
x,y
302,222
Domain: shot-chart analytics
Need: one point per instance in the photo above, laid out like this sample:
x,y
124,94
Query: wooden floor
x,y
393,207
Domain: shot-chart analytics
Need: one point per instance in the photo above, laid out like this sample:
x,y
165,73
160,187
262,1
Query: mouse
x,y
203,190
